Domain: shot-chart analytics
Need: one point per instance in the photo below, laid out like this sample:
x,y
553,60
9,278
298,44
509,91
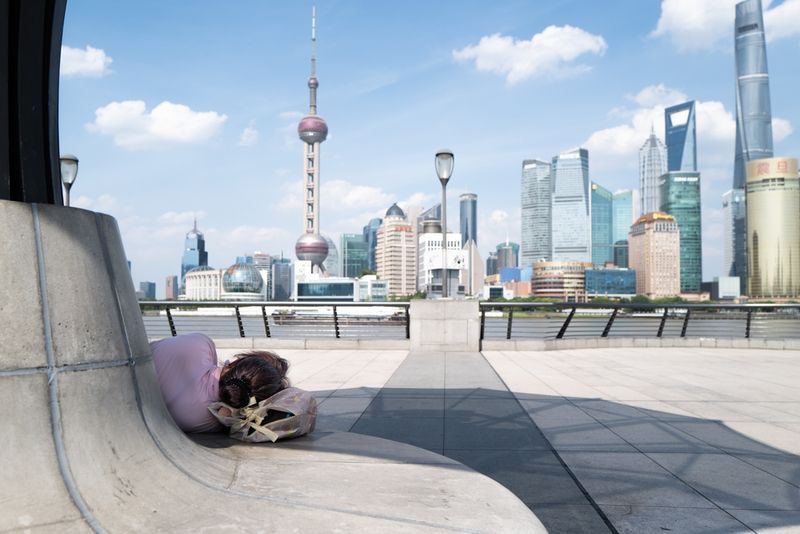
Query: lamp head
x,y
69,169
444,165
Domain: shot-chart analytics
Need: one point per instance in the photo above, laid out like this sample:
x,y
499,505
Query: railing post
x,y
685,322
564,326
408,321
239,321
663,322
335,322
483,328
266,320
610,322
510,322
749,321
171,323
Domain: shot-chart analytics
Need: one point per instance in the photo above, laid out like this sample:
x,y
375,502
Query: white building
x,y
396,253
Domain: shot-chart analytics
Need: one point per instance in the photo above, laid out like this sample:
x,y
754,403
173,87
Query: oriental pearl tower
x,y
313,130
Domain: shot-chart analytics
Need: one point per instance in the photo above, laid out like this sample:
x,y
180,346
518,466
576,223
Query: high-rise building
x,y
434,213
602,225
331,264
734,258
313,130
472,274
680,132
622,208
371,237
571,207
148,290
612,282
652,165
536,214
753,109
396,252
560,279
773,228
753,121
171,288
655,255
507,255
468,217
282,283
680,197
491,263
355,255
429,277
194,251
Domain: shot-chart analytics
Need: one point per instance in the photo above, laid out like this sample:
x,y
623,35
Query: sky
x,y
184,109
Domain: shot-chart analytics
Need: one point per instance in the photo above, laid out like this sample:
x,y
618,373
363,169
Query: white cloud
x,y
184,218
249,136
90,62
781,129
133,127
550,53
498,216
337,196
705,24
658,95
105,203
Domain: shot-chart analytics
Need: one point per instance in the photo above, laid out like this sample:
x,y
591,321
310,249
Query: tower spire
x,y
313,83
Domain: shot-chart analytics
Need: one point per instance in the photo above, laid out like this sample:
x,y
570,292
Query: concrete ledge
x,y
628,342
272,343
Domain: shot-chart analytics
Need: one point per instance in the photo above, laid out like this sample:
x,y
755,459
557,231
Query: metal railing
x,y
559,320
287,320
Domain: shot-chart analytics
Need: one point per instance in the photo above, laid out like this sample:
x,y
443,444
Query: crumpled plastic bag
x,y
290,413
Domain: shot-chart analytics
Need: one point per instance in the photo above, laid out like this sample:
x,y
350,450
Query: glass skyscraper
x,y
331,263
602,225
680,132
622,208
371,237
734,213
680,197
194,251
652,164
468,217
571,208
536,212
355,255
753,121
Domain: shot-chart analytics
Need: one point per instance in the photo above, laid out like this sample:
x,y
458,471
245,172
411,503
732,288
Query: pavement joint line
x,y
558,457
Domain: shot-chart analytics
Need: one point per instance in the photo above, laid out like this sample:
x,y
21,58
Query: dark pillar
x,y
30,57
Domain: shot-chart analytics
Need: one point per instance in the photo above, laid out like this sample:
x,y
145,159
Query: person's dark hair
x,y
258,374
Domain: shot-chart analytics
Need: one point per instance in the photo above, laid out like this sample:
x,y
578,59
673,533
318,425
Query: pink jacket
x,y
189,378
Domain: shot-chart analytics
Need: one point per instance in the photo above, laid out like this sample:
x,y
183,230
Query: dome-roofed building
x,y
395,211
202,283
242,281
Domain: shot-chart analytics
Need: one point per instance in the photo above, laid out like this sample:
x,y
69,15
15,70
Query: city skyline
x,y
247,112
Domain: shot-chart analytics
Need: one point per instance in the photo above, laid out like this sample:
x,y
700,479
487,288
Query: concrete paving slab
x,y
492,433
730,482
392,406
769,521
341,413
426,433
655,519
570,518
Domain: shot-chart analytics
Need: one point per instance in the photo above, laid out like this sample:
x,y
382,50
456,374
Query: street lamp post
x,y
69,171
444,169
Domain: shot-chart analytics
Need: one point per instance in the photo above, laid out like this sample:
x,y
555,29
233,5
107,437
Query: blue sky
x,y
178,109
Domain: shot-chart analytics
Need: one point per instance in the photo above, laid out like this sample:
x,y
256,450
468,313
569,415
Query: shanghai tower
x,y
753,118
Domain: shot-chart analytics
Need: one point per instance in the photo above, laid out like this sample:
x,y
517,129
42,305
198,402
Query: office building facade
x,y
571,207
536,213
602,225
507,255
655,255
622,218
652,165
773,228
491,263
331,264
734,236
172,288
396,252
355,255
680,133
610,283
680,197
468,218
564,280
371,237
282,279
194,251
148,290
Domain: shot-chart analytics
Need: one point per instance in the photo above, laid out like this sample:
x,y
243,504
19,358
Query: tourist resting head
x,y
259,374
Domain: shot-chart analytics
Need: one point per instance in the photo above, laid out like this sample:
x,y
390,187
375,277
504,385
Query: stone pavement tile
x,y
570,518
536,477
339,414
478,391
411,392
358,391
768,521
492,432
721,436
784,466
629,479
609,411
739,411
567,427
393,406
492,406
658,436
653,519
730,482
415,381
772,434
427,433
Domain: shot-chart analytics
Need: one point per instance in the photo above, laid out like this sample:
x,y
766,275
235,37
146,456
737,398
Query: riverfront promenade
x,y
628,439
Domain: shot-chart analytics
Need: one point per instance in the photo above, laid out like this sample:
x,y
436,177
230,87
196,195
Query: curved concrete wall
x,y
88,444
